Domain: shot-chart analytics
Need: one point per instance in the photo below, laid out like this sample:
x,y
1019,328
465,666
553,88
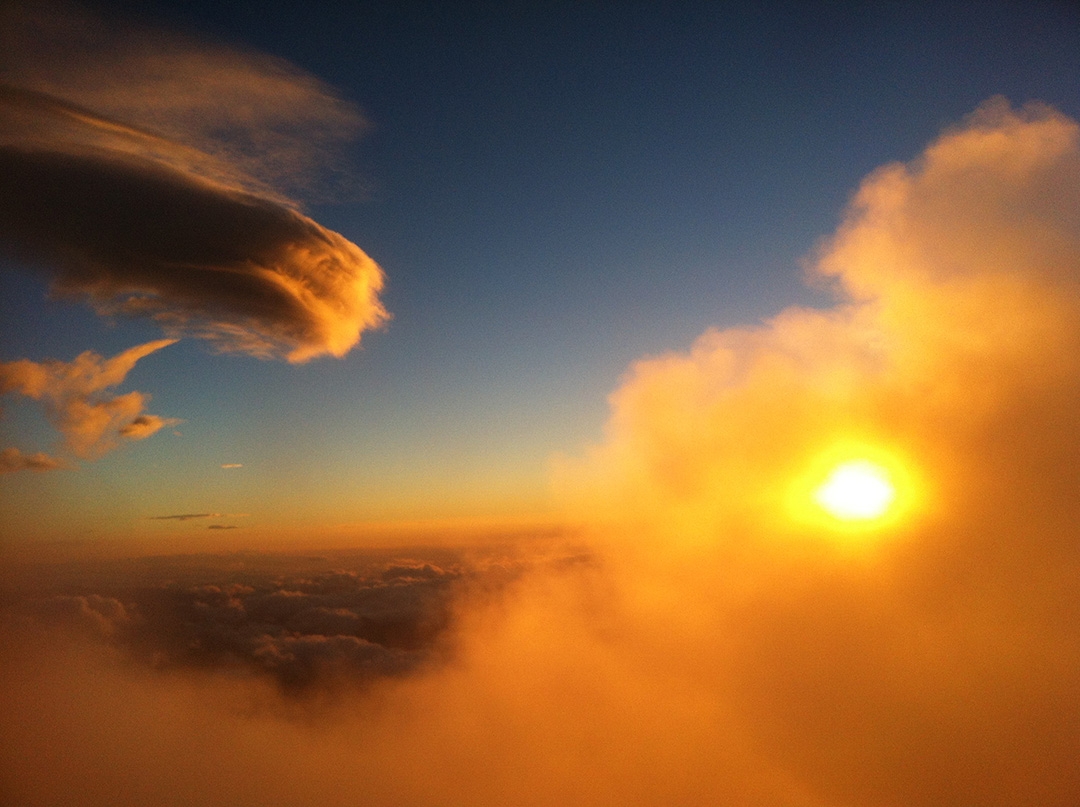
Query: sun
x,y
857,490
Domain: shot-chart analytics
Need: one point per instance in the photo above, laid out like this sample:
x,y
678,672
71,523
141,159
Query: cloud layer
x,y
147,174
305,626
723,644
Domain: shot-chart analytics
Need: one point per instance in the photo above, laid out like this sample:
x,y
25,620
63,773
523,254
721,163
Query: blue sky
x,y
554,190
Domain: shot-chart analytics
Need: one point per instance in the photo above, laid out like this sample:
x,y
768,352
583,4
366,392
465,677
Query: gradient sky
x,y
553,190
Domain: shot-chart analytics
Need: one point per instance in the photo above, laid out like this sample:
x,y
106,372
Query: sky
x,y
551,192
434,402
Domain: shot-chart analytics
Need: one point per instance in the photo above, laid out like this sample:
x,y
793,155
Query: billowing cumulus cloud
x,y
73,395
147,174
722,642
924,660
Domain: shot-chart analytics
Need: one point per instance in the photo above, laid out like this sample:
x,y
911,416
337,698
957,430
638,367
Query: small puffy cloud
x,y
12,459
141,170
72,393
99,616
145,425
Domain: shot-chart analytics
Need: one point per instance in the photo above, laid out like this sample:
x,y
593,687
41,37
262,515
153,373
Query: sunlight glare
x,y
857,490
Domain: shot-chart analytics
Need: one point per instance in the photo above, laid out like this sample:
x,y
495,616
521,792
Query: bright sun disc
x,y
857,490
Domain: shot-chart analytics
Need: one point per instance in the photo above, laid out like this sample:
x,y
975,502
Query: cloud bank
x,y
723,644
72,394
147,174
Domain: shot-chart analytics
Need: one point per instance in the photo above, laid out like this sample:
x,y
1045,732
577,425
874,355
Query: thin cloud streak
x,y
185,516
192,516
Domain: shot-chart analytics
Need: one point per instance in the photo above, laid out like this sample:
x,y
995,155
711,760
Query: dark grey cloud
x,y
304,623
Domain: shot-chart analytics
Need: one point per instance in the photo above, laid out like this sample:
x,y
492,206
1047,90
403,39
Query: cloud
x,y
100,616
72,394
717,643
12,459
185,516
193,516
145,425
143,172
228,465
304,629
900,662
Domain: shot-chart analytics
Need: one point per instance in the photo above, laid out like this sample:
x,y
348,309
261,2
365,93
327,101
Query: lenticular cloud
x,y
147,174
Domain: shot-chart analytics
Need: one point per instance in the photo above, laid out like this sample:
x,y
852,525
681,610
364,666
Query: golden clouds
x,y
12,459
896,661
958,307
71,392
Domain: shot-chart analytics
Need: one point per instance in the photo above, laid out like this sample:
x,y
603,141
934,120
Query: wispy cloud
x,y
193,516
185,516
147,174
73,395
12,459
229,465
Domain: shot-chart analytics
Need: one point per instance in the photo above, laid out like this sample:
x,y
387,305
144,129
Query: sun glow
x,y
856,486
856,490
